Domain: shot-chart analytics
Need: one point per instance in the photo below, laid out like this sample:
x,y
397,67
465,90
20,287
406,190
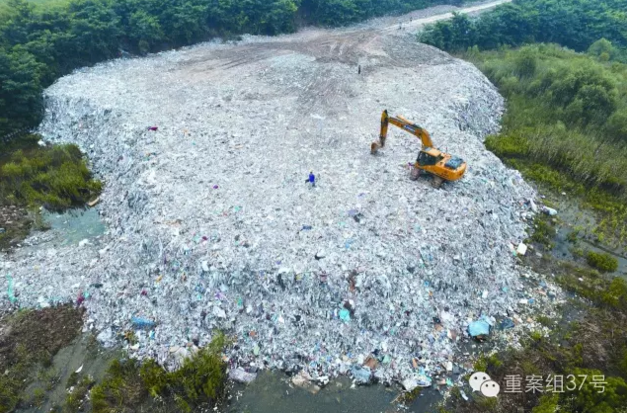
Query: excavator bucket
x,y
375,146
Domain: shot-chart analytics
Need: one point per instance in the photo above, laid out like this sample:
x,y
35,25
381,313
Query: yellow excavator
x,y
443,166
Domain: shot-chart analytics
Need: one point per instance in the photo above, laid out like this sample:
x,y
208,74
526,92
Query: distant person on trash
x,y
311,179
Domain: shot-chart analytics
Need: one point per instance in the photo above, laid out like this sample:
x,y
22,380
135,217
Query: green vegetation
x,y
121,390
564,116
198,383
31,176
543,231
409,397
75,399
576,24
32,338
56,177
603,262
547,404
483,363
39,395
561,128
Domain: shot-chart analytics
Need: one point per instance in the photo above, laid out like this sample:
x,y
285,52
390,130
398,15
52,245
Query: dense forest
x,y
39,43
575,24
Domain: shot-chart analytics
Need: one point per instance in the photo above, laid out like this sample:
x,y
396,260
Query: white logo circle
x,y
490,388
477,379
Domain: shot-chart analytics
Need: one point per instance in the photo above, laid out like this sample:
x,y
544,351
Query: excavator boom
x,y
404,124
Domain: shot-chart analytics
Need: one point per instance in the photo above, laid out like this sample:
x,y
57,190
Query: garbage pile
x,y
212,223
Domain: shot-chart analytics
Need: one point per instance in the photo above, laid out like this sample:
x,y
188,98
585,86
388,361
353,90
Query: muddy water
x,y
271,393
571,217
85,354
75,225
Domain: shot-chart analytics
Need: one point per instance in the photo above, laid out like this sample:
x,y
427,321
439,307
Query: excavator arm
x,y
404,124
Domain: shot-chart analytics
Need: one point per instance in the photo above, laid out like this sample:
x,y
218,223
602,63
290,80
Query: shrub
x,y
544,231
602,261
121,390
548,404
615,296
589,398
199,382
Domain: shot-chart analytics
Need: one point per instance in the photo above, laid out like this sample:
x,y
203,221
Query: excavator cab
x,y
428,157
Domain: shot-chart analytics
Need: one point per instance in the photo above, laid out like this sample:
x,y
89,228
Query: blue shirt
x,y
312,178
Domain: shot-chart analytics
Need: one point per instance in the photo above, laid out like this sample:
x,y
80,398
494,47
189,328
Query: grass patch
x,y
56,177
32,176
72,380
407,398
544,320
39,396
121,390
544,231
485,363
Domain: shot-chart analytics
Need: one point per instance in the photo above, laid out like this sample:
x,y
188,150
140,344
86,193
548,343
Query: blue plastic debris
x,y
479,328
10,292
361,374
345,315
507,323
142,323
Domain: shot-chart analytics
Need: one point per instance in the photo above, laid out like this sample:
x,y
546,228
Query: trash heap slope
x,y
212,225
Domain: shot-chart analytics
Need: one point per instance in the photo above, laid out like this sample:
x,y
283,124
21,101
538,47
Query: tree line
x,y
40,43
575,24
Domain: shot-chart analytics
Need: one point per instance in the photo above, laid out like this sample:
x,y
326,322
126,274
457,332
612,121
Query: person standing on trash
x,y
311,179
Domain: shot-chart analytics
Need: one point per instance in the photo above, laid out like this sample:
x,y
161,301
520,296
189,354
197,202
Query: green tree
x,y
20,89
616,127
601,47
95,31
15,24
145,29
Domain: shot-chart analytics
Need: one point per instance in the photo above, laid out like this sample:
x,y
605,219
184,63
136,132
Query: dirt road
x,y
417,23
